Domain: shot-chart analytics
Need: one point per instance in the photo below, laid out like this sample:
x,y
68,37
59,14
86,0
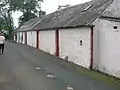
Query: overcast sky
x,y
50,6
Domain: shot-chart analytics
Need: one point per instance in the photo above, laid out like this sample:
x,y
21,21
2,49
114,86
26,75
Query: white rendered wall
x,y
31,38
23,42
18,37
107,43
70,45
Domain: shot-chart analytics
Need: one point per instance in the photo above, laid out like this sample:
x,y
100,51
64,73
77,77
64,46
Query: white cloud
x,y
52,5
16,16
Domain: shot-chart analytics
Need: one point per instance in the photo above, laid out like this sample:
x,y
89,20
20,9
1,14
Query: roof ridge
x,y
113,9
72,16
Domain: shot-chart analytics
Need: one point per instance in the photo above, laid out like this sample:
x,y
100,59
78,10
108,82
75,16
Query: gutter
x,y
91,48
56,28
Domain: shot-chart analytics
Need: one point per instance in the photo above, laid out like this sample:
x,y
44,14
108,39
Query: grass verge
x,y
96,75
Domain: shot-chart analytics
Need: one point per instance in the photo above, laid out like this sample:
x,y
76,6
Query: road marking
x,y
69,88
38,68
50,76
49,73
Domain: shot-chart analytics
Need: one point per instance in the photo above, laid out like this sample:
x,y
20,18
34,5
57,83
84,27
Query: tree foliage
x,y
22,5
30,8
26,16
6,21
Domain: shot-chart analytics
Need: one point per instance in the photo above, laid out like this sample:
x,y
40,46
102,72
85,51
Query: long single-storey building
x,y
86,34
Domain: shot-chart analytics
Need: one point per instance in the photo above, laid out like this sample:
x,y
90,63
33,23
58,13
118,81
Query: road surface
x,y
25,68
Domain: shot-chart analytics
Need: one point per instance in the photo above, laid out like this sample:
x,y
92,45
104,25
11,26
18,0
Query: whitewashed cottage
x,y
86,34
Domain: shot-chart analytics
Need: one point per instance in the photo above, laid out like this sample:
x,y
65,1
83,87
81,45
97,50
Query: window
x,y
81,42
114,27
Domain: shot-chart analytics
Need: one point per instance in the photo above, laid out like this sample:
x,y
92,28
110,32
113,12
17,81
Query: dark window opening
x,y
81,42
114,27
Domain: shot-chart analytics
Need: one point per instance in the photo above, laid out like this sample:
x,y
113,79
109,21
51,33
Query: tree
x,y
6,21
26,16
30,8
25,5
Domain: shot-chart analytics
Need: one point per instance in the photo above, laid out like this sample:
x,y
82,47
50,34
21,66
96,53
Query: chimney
x,y
41,13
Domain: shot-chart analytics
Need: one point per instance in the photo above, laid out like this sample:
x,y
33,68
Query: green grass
x,y
106,79
109,80
95,75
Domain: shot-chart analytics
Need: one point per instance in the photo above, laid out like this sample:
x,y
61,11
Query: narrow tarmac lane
x,y
25,68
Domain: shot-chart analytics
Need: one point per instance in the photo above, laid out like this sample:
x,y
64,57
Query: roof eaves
x,y
115,19
66,27
109,17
